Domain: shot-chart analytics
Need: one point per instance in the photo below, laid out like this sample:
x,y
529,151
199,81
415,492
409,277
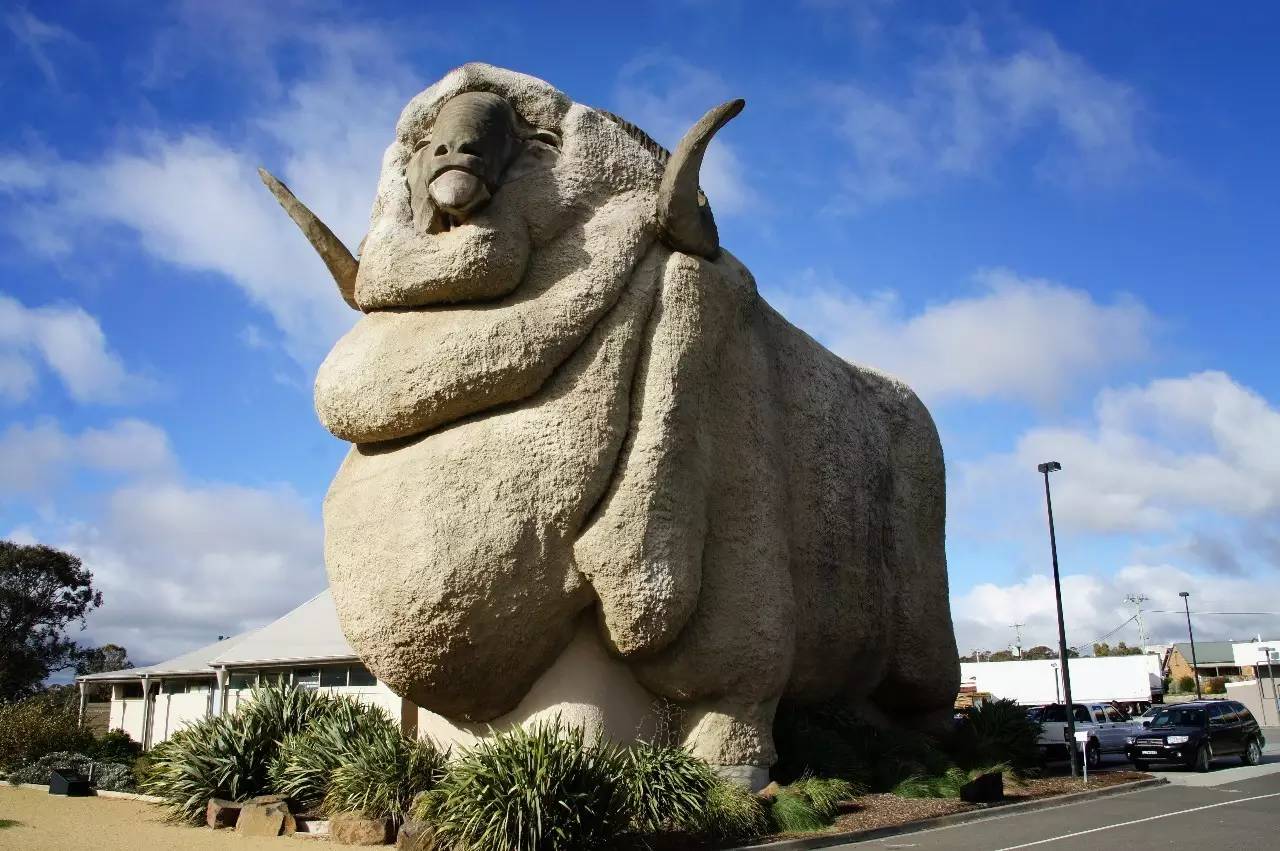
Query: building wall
x,y
1265,706
127,714
172,712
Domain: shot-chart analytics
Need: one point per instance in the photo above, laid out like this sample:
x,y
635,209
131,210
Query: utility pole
x,y
1017,638
1137,600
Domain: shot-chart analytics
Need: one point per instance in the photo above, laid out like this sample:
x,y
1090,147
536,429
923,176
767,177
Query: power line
x,y
1179,611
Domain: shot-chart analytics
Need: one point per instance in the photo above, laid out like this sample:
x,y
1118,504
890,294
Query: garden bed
x,y
876,811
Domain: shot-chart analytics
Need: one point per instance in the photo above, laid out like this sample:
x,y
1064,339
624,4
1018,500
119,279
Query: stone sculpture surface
x,y
578,433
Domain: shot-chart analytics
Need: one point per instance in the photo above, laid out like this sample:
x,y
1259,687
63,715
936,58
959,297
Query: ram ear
x,y
684,216
335,255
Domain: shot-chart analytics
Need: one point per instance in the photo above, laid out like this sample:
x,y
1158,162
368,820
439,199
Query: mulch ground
x,y
868,812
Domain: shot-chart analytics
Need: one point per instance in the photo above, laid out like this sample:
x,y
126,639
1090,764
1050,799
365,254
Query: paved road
x,y
1233,807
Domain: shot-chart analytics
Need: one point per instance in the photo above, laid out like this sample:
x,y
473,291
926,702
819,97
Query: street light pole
x,y
1195,666
1046,468
1262,695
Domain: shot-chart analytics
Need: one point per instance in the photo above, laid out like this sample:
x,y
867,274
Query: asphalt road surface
x,y
1232,807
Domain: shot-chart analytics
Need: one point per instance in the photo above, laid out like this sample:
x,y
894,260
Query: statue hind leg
x,y
923,674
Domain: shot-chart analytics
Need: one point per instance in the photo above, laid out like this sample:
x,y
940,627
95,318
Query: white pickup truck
x,y
1107,727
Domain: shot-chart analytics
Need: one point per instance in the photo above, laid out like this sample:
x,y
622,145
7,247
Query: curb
x,y
827,840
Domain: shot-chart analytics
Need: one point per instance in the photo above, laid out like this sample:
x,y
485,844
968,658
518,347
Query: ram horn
x,y
684,215
335,255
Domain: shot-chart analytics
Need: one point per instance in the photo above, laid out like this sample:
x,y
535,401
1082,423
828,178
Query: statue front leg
x,y
736,738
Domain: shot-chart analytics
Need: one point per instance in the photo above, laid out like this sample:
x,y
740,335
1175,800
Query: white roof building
x,y
304,647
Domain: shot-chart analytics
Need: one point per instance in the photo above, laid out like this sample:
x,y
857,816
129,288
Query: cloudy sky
x,y
1058,222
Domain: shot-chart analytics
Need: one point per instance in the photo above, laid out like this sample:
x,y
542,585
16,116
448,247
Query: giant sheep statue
x,y
593,473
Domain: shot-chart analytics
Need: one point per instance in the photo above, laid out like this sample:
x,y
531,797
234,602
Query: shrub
x,y
667,788
998,731
809,804
306,760
113,776
945,785
1186,684
532,789
39,725
229,756
382,774
115,746
1215,685
828,741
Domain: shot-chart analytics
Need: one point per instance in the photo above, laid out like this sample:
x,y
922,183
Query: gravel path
x,y
35,821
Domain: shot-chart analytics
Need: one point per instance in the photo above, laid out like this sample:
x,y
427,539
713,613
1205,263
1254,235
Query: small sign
x,y
1082,736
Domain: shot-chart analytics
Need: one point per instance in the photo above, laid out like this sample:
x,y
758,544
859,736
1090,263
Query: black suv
x,y
1195,733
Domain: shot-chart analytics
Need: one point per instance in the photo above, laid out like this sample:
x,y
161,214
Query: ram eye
x,y
422,143
546,137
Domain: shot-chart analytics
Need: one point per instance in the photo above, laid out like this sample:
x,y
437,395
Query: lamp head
x,y
1049,467
1184,593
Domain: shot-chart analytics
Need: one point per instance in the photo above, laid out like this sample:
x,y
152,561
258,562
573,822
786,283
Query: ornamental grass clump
x,y
532,789
382,773
809,804
230,756
667,788
997,731
306,760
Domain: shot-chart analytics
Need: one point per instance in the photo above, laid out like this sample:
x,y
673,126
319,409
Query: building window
x,y
360,676
130,691
333,676
307,677
243,680
174,687
198,685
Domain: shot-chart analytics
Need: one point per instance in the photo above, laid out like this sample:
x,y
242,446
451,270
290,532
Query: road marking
x,y
1138,821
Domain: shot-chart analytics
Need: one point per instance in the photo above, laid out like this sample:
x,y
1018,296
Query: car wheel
x,y
1203,758
1093,755
1139,765
1252,753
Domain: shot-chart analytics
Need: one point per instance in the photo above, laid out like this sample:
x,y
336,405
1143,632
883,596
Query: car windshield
x,y
1182,717
1059,713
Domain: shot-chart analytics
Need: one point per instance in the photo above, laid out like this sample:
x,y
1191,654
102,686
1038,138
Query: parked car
x,y
1194,734
1108,729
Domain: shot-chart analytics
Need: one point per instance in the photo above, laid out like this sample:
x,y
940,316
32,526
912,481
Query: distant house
x,y
305,648
1212,658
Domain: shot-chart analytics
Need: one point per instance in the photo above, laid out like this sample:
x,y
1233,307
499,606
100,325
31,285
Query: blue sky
x,y
1057,222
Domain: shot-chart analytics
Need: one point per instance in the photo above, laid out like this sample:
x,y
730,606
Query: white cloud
x,y
664,96
1095,605
180,563
36,459
37,36
1177,456
69,342
194,200
956,113
1016,338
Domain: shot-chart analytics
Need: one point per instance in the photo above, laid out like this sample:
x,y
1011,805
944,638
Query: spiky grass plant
x,y
810,803
382,772
306,761
666,787
733,814
530,790
998,731
229,756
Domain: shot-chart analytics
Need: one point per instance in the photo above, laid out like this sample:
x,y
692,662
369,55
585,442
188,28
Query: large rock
x,y
567,404
418,836
221,813
265,818
355,829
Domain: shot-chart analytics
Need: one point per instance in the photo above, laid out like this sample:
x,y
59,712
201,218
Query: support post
x,y
80,723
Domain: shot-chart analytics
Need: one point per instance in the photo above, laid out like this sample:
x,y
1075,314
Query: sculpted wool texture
x,y
568,405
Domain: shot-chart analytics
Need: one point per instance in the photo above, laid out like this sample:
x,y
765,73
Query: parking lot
x,y
1232,806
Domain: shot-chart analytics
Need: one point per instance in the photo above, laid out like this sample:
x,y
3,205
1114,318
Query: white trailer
x,y
1120,679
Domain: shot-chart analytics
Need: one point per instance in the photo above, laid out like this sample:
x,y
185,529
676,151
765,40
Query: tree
x,y
1103,649
1040,651
42,590
99,660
